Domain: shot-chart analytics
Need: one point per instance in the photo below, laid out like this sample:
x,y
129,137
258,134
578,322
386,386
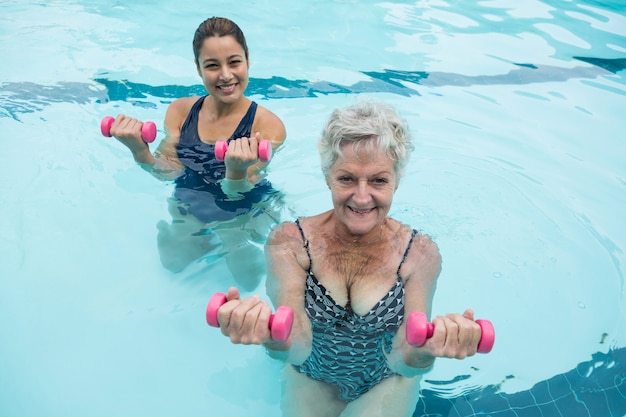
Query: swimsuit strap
x,y
189,130
306,245
406,252
244,130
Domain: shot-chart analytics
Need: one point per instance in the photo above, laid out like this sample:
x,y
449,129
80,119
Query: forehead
x,y
362,161
216,47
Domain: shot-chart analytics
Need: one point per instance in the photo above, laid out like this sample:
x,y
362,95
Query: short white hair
x,y
372,126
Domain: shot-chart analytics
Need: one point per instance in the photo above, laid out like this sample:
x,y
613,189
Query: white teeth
x,y
360,211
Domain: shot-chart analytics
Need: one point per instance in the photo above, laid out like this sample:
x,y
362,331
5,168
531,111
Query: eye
x,y
344,179
380,181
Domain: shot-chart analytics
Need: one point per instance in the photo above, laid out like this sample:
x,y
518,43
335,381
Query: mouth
x,y
360,211
228,88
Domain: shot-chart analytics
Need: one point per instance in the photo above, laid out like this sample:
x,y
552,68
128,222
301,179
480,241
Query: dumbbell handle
x,y
265,150
280,323
148,130
418,329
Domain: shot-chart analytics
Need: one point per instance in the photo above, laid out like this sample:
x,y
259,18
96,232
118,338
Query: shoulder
x,y
285,235
285,245
178,110
182,106
423,257
270,125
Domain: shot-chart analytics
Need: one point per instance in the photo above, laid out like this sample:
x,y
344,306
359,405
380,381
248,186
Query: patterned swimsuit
x,y
347,349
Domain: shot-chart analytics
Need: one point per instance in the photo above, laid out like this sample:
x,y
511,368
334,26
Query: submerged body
x,y
351,275
211,195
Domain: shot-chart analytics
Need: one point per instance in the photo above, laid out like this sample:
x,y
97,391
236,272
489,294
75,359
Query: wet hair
x,y
217,26
373,127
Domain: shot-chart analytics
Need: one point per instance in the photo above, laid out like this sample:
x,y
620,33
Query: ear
x,y
198,67
327,181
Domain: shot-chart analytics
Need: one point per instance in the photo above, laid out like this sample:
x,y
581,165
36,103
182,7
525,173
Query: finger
x,y
248,148
452,334
236,149
468,335
239,313
126,126
255,329
469,314
255,140
233,294
438,340
228,321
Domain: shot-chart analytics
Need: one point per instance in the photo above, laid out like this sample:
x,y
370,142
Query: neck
x,y
373,237
220,109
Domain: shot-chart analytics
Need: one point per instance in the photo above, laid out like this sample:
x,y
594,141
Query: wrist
x,y
236,175
232,187
143,157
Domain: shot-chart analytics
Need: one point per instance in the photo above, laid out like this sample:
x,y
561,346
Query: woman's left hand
x,y
242,153
454,336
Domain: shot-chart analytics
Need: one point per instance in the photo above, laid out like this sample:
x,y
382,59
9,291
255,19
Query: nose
x,y
225,73
362,194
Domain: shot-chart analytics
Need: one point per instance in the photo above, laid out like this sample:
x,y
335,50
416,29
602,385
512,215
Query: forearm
x,y
291,352
296,348
409,361
158,165
234,188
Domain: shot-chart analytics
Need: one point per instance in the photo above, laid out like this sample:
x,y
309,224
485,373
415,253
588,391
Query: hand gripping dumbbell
x,y
265,150
148,130
418,329
280,323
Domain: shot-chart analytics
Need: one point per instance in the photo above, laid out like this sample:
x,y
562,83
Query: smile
x,y
364,211
227,88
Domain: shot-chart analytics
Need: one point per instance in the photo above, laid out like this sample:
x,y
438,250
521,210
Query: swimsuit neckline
x,y
348,310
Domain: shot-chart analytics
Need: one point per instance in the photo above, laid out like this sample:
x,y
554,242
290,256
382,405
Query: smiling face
x,y
223,67
362,188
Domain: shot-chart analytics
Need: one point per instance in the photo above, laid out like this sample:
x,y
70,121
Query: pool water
x,y
518,175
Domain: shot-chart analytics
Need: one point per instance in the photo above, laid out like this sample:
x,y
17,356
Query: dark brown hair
x,y
217,26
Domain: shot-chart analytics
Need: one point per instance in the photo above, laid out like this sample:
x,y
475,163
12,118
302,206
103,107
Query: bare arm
x,y
287,262
246,321
455,335
164,163
421,269
243,167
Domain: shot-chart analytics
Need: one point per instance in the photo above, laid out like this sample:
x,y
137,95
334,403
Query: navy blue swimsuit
x,y
198,187
347,349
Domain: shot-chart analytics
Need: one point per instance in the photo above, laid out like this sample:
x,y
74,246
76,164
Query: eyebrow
x,y
342,171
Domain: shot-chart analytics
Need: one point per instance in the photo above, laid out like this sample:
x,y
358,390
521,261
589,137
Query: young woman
x,y
211,195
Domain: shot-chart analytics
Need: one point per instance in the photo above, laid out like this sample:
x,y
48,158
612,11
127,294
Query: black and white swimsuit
x,y
347,348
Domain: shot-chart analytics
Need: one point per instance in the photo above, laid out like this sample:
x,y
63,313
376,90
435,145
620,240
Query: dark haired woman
x,y
215,201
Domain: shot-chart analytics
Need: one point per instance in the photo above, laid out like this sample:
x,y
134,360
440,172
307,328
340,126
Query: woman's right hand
x,y
245,321
127,130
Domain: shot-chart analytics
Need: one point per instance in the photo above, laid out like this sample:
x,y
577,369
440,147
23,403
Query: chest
x,y
212,129
357,279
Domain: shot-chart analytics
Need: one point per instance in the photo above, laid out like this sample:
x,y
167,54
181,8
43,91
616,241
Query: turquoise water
x,y
518,174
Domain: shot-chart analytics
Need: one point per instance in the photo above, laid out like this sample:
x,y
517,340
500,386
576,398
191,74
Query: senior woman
x,y
351,275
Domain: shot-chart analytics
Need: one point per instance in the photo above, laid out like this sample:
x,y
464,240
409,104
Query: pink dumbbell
x,y
148,130
265,150
418,329
280,323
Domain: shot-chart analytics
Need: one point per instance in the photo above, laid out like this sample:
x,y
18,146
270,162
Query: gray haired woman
x,y
351,276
